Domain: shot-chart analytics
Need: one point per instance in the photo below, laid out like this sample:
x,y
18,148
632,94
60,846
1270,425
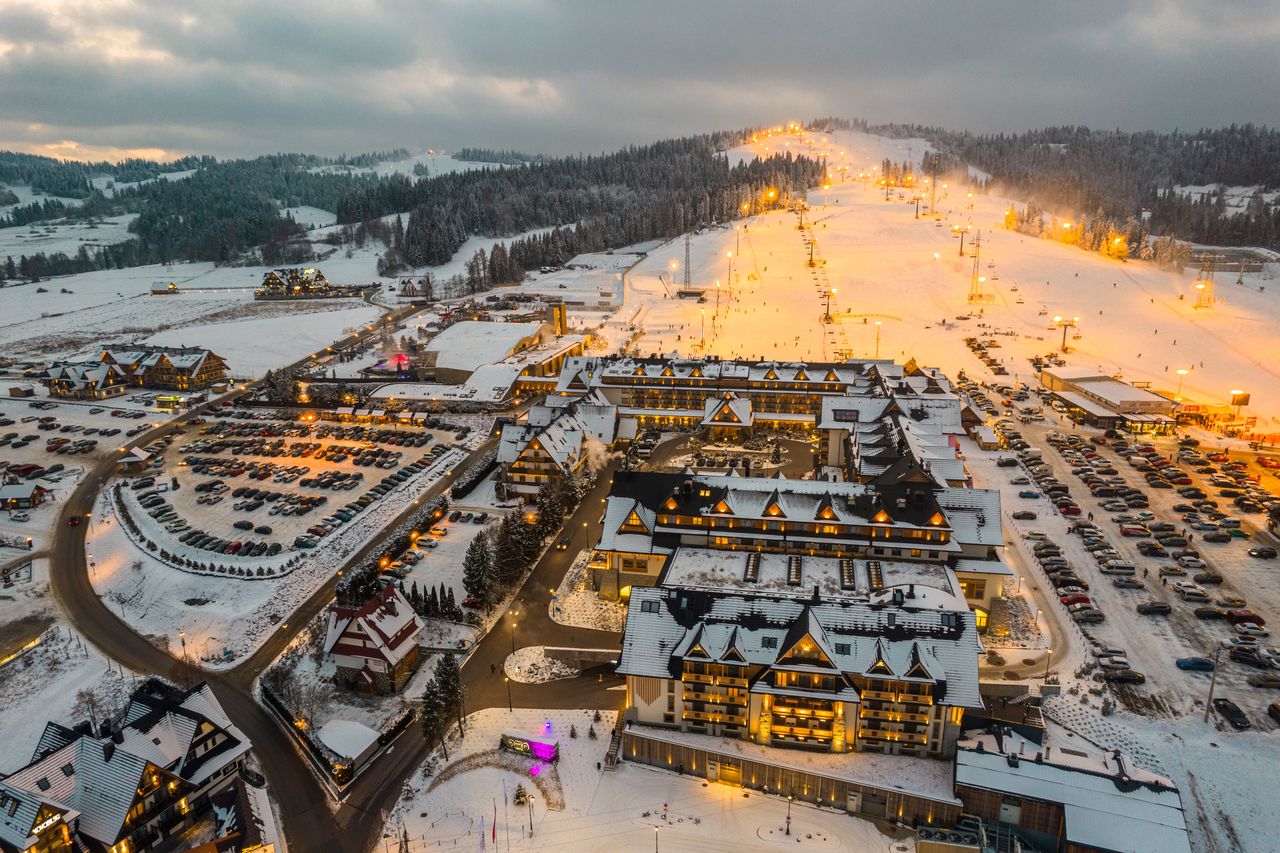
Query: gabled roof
x,y
386,623
91,776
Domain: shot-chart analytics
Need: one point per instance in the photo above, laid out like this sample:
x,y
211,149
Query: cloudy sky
x,y
161,78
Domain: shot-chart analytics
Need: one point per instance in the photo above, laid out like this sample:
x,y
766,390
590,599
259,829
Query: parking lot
x,y
1152,569
255,484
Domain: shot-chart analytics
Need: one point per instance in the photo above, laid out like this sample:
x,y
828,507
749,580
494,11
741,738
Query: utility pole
x,y
687,282
1213,680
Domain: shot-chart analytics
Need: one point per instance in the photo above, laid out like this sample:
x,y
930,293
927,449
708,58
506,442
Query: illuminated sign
x,y
45,824
524,745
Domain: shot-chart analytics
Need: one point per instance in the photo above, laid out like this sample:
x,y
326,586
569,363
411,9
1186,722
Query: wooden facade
x,y
733,768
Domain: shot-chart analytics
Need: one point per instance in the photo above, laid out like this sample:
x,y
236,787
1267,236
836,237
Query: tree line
x,y
1125,173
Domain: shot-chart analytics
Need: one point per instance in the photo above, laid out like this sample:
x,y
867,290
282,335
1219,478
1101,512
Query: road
x,y
304,805
303,802
380,784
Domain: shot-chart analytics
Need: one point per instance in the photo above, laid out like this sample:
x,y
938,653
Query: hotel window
x,y
842,648
768,642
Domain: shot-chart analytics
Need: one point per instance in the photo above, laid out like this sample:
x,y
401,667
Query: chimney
x,y
108,750
1013,760
911,590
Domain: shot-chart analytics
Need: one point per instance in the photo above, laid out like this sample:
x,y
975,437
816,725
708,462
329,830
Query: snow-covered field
x,y
221,619
65,237
43,684
76,315
593,810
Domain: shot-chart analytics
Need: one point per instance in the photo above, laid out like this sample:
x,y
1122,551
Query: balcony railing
x,y
715,717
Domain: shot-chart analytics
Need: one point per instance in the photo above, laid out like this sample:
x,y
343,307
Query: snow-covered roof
x,y
347,738
934,644
91,776
920,777
1102,811
983,567
18,491
779,575
18,812
468,344
974,515
385,627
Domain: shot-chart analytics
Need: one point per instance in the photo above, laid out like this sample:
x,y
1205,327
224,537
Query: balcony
x,y
799,731
698,677
892,737
730,681
718,698
715,717
892,716
780,710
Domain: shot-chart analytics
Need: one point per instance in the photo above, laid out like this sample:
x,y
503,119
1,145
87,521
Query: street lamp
x,y
1065,324
1181,371
507,679
512,623
789,799
1048,655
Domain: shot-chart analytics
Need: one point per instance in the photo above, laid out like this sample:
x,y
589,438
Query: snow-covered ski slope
x,y
885,265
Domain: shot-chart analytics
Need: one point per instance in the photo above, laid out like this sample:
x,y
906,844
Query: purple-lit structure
x,y
533,747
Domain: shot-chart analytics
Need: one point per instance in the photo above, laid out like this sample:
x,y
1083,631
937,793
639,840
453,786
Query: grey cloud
x,y
241,77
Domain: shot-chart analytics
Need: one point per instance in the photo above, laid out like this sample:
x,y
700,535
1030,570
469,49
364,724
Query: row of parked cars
x,y
345,514
978,396
155,505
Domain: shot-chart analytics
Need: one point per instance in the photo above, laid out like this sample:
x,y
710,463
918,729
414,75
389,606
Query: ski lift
x,y
1043,312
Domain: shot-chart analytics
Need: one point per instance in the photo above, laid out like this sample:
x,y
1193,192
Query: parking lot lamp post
x,y
1213,681
508,681
1182,371
1048,656
512,623
789,799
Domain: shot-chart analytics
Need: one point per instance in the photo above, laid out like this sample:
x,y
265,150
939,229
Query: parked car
x,y
1024,515
1154,608
1232,713
1124,676
1195,664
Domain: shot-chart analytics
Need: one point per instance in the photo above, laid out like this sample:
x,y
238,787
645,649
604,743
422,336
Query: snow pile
x,y
576,604
530,665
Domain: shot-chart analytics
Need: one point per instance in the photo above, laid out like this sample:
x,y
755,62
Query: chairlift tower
x,y
688,284
1204,282
977,293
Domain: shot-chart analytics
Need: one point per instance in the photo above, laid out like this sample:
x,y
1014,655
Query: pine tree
x,y
507,564
448,686
432,604
477,569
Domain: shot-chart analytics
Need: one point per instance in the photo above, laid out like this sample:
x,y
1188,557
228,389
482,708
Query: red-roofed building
x,y
375,646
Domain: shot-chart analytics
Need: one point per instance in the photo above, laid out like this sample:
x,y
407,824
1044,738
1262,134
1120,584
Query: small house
x,y
21,391
21,496
374,646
